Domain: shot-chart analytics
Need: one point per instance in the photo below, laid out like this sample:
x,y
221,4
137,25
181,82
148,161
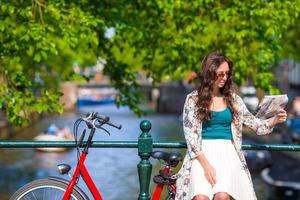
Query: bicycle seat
x,y
172,158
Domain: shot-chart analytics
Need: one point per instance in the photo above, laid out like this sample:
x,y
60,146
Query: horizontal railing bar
x,y
134,144
169,145
269,147
67,144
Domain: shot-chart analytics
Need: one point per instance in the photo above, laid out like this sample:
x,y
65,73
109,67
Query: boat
x,y
100,96
281,188
257,160
95,101
54,133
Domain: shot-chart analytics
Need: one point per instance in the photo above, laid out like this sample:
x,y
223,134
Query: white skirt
x,y
230,175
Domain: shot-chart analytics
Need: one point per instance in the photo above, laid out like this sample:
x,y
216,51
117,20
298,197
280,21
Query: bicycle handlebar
x,y
102,119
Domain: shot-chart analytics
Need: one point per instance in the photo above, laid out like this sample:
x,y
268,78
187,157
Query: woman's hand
x,y
209,171
210,174
280,117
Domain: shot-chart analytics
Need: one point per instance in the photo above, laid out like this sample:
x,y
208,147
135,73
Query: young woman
x,y
213,116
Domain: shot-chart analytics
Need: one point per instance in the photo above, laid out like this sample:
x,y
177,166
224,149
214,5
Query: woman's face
x,y
222,75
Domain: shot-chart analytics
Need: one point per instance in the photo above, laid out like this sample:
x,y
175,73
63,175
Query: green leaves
x,y
163,39
44,40
169,38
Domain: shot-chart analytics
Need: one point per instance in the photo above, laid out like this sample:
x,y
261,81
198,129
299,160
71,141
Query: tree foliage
x,y
164,39
291,42
39,42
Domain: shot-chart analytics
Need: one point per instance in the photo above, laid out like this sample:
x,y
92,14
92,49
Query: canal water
x,y
114,170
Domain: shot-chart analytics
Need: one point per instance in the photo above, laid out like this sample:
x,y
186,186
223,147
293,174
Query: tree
x,y
167,38
291,42
170,37
40,40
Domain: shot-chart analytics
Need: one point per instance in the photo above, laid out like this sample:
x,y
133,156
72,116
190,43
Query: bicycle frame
x,y
159,188
81,170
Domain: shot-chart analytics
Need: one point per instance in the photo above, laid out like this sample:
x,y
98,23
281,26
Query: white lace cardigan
x,y
192,132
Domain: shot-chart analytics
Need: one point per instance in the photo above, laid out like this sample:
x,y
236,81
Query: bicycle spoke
x,y
60,195
34,196
25,198
45,194
56,195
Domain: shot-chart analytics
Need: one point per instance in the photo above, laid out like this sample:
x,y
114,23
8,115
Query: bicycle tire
x,y
47,188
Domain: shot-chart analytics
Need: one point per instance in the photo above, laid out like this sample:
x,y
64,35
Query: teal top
x,y
219,127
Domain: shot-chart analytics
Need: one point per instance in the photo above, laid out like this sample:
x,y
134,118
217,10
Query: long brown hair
x,y
207,77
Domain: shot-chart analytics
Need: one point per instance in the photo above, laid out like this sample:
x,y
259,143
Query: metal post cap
x,y
145,125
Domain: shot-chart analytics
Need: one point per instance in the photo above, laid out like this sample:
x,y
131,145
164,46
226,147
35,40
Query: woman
x,y
213,116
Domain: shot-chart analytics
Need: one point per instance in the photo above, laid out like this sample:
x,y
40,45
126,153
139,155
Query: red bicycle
x,y
166,177
58,188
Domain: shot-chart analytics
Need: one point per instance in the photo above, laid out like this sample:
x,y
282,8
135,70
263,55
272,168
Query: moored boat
x,y
283,177
54,133
95,96
280,189
95,101
257,160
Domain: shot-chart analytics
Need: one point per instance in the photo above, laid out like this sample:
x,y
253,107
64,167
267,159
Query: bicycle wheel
x,y
46,189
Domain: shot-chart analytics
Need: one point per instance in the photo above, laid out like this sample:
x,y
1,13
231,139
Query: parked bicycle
x,y
166,177
62,189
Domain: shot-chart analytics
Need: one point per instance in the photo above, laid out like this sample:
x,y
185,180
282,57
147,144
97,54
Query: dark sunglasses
x,y
220,75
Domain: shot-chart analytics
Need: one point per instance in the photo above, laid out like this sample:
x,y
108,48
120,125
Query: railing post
x,y
145,144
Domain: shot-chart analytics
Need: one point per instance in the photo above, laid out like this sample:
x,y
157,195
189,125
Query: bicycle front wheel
x,y
46,189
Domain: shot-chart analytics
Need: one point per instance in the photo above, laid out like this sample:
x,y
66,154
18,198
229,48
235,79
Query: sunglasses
x,y
220,75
